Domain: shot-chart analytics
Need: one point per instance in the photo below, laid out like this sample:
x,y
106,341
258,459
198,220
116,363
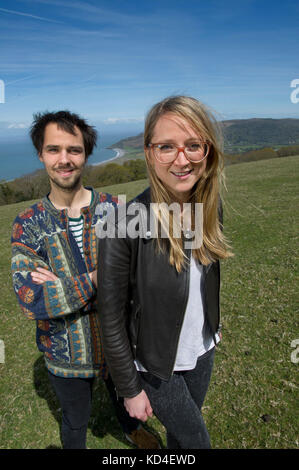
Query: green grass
x,y
131,154
253,372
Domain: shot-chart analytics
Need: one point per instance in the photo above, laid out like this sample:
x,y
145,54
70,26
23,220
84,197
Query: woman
x,y
158,298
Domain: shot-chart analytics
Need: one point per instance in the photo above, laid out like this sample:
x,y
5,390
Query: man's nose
x,y
64,156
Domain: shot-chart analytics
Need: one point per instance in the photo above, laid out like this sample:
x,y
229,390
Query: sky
x,y
111,60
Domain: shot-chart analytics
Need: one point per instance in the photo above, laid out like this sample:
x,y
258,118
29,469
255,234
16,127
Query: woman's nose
x,y
181,158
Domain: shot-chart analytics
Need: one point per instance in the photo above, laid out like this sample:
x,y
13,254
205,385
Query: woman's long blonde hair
x,y
207,190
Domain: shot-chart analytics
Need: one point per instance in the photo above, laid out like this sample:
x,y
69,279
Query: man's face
x,y
63,155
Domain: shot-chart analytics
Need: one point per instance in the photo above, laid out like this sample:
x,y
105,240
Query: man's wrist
x,y
92,276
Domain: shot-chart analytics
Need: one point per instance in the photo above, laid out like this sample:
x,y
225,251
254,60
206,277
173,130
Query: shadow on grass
x,y
103,420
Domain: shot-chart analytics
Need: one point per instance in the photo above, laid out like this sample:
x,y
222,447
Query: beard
x,y
69,184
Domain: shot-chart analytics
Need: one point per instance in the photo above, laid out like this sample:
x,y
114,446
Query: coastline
x,y
119,153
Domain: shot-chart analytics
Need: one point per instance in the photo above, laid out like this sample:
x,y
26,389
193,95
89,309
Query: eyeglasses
x,y
167,153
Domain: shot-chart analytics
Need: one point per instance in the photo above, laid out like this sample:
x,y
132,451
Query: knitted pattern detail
x,y
67,323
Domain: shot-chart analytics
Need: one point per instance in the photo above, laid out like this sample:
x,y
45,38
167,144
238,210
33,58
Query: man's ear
x,y
40,156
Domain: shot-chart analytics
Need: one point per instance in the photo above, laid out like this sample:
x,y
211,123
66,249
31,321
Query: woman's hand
x,y
139,407
42,275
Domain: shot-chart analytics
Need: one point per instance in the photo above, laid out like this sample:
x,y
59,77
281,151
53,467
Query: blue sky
x,y
110,61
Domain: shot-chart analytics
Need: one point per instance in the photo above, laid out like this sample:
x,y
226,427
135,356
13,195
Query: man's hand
x,y
139,407
42,275
94,277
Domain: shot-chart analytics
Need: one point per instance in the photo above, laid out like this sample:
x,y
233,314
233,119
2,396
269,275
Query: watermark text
x,y
2,352
295,93
152,221
295,353
2,91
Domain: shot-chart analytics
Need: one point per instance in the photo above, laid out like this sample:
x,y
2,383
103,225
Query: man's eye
x,y
52,150
75,151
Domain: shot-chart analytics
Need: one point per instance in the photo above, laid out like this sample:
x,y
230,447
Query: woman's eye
x,y
194,147
166,147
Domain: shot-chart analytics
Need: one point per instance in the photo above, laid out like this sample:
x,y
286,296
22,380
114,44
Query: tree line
x,y
36,185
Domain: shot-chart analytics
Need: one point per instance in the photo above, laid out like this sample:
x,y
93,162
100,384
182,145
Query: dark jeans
x,y
177,403
75,396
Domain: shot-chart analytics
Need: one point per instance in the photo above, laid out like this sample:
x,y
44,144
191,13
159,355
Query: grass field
x,y
252,401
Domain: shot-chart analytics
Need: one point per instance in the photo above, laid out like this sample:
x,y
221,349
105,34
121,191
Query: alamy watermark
x,y
295,353
143,219
294,97
2,352
2,91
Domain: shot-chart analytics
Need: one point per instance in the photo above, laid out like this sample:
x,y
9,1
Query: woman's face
x,y
181,175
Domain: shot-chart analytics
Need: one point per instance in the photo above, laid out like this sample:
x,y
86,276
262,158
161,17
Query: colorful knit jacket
x,y
65,310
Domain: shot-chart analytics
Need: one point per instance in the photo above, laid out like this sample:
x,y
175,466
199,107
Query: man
x,y
54,262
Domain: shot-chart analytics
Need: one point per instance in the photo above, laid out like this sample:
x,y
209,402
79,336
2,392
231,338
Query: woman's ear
x,y
148,155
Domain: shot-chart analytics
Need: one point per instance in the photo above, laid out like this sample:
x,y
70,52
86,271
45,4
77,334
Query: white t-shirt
x,y
195,337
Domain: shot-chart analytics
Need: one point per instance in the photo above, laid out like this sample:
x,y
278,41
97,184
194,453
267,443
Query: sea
x,y
18,156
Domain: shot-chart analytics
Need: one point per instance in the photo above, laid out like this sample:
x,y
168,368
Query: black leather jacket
x,y
141,303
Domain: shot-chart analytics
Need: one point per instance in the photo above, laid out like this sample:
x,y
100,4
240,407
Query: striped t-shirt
x,y
76,227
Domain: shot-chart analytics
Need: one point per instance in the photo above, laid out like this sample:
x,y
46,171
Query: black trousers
x,y
177,403
75,398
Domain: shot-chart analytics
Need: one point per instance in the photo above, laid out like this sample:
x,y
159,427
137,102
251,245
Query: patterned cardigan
x,y
67,323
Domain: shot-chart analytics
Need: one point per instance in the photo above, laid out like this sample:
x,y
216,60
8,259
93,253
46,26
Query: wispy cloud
x,y
17,125
21,79
113,120
94,13
20,13
13,125
112,60
142,20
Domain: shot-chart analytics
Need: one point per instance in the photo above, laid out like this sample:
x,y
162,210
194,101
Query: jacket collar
x,y
62,214
145,197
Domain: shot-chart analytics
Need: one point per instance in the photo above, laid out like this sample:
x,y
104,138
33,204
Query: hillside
x,y
261,132
243,134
